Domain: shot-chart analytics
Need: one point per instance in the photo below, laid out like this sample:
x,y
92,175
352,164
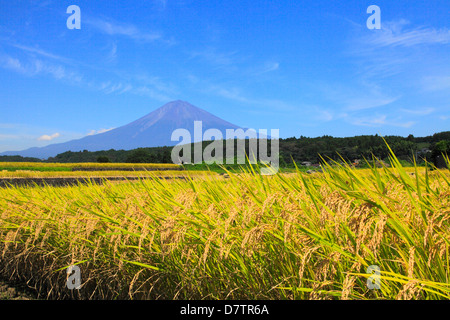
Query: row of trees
x,y
290,149
309,149
141,155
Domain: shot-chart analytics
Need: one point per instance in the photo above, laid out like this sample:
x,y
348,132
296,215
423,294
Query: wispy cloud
x,y
419,111
119,87
40,63
236,94
152,93
156,82
361,103
115,28
233,63
394,34
436,83
46,137
40,52
151,87
323,114
359,95
266,68
137,88
112,54
229,93
215,57
398,49
12,64
35,66
378,121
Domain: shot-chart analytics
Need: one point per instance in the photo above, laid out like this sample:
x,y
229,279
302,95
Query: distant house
x,y
424,151
306,164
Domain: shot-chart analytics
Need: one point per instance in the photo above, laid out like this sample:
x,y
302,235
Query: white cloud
x,y
93,132
46,137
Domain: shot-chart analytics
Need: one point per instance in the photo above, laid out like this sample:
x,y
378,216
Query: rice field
x,y
12,166
103,173
74,174
285,236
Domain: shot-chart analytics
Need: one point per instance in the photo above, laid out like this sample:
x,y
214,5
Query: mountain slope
x,y
152,130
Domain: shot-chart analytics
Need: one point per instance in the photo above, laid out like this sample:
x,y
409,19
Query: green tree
x,y
139,156
103,159
440,148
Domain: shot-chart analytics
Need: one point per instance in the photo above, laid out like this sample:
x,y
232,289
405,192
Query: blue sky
x,y
306,68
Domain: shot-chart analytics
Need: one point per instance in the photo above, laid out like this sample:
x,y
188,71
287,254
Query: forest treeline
x,y
301,149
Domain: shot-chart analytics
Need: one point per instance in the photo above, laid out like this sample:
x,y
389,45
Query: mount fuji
x,y
153,130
